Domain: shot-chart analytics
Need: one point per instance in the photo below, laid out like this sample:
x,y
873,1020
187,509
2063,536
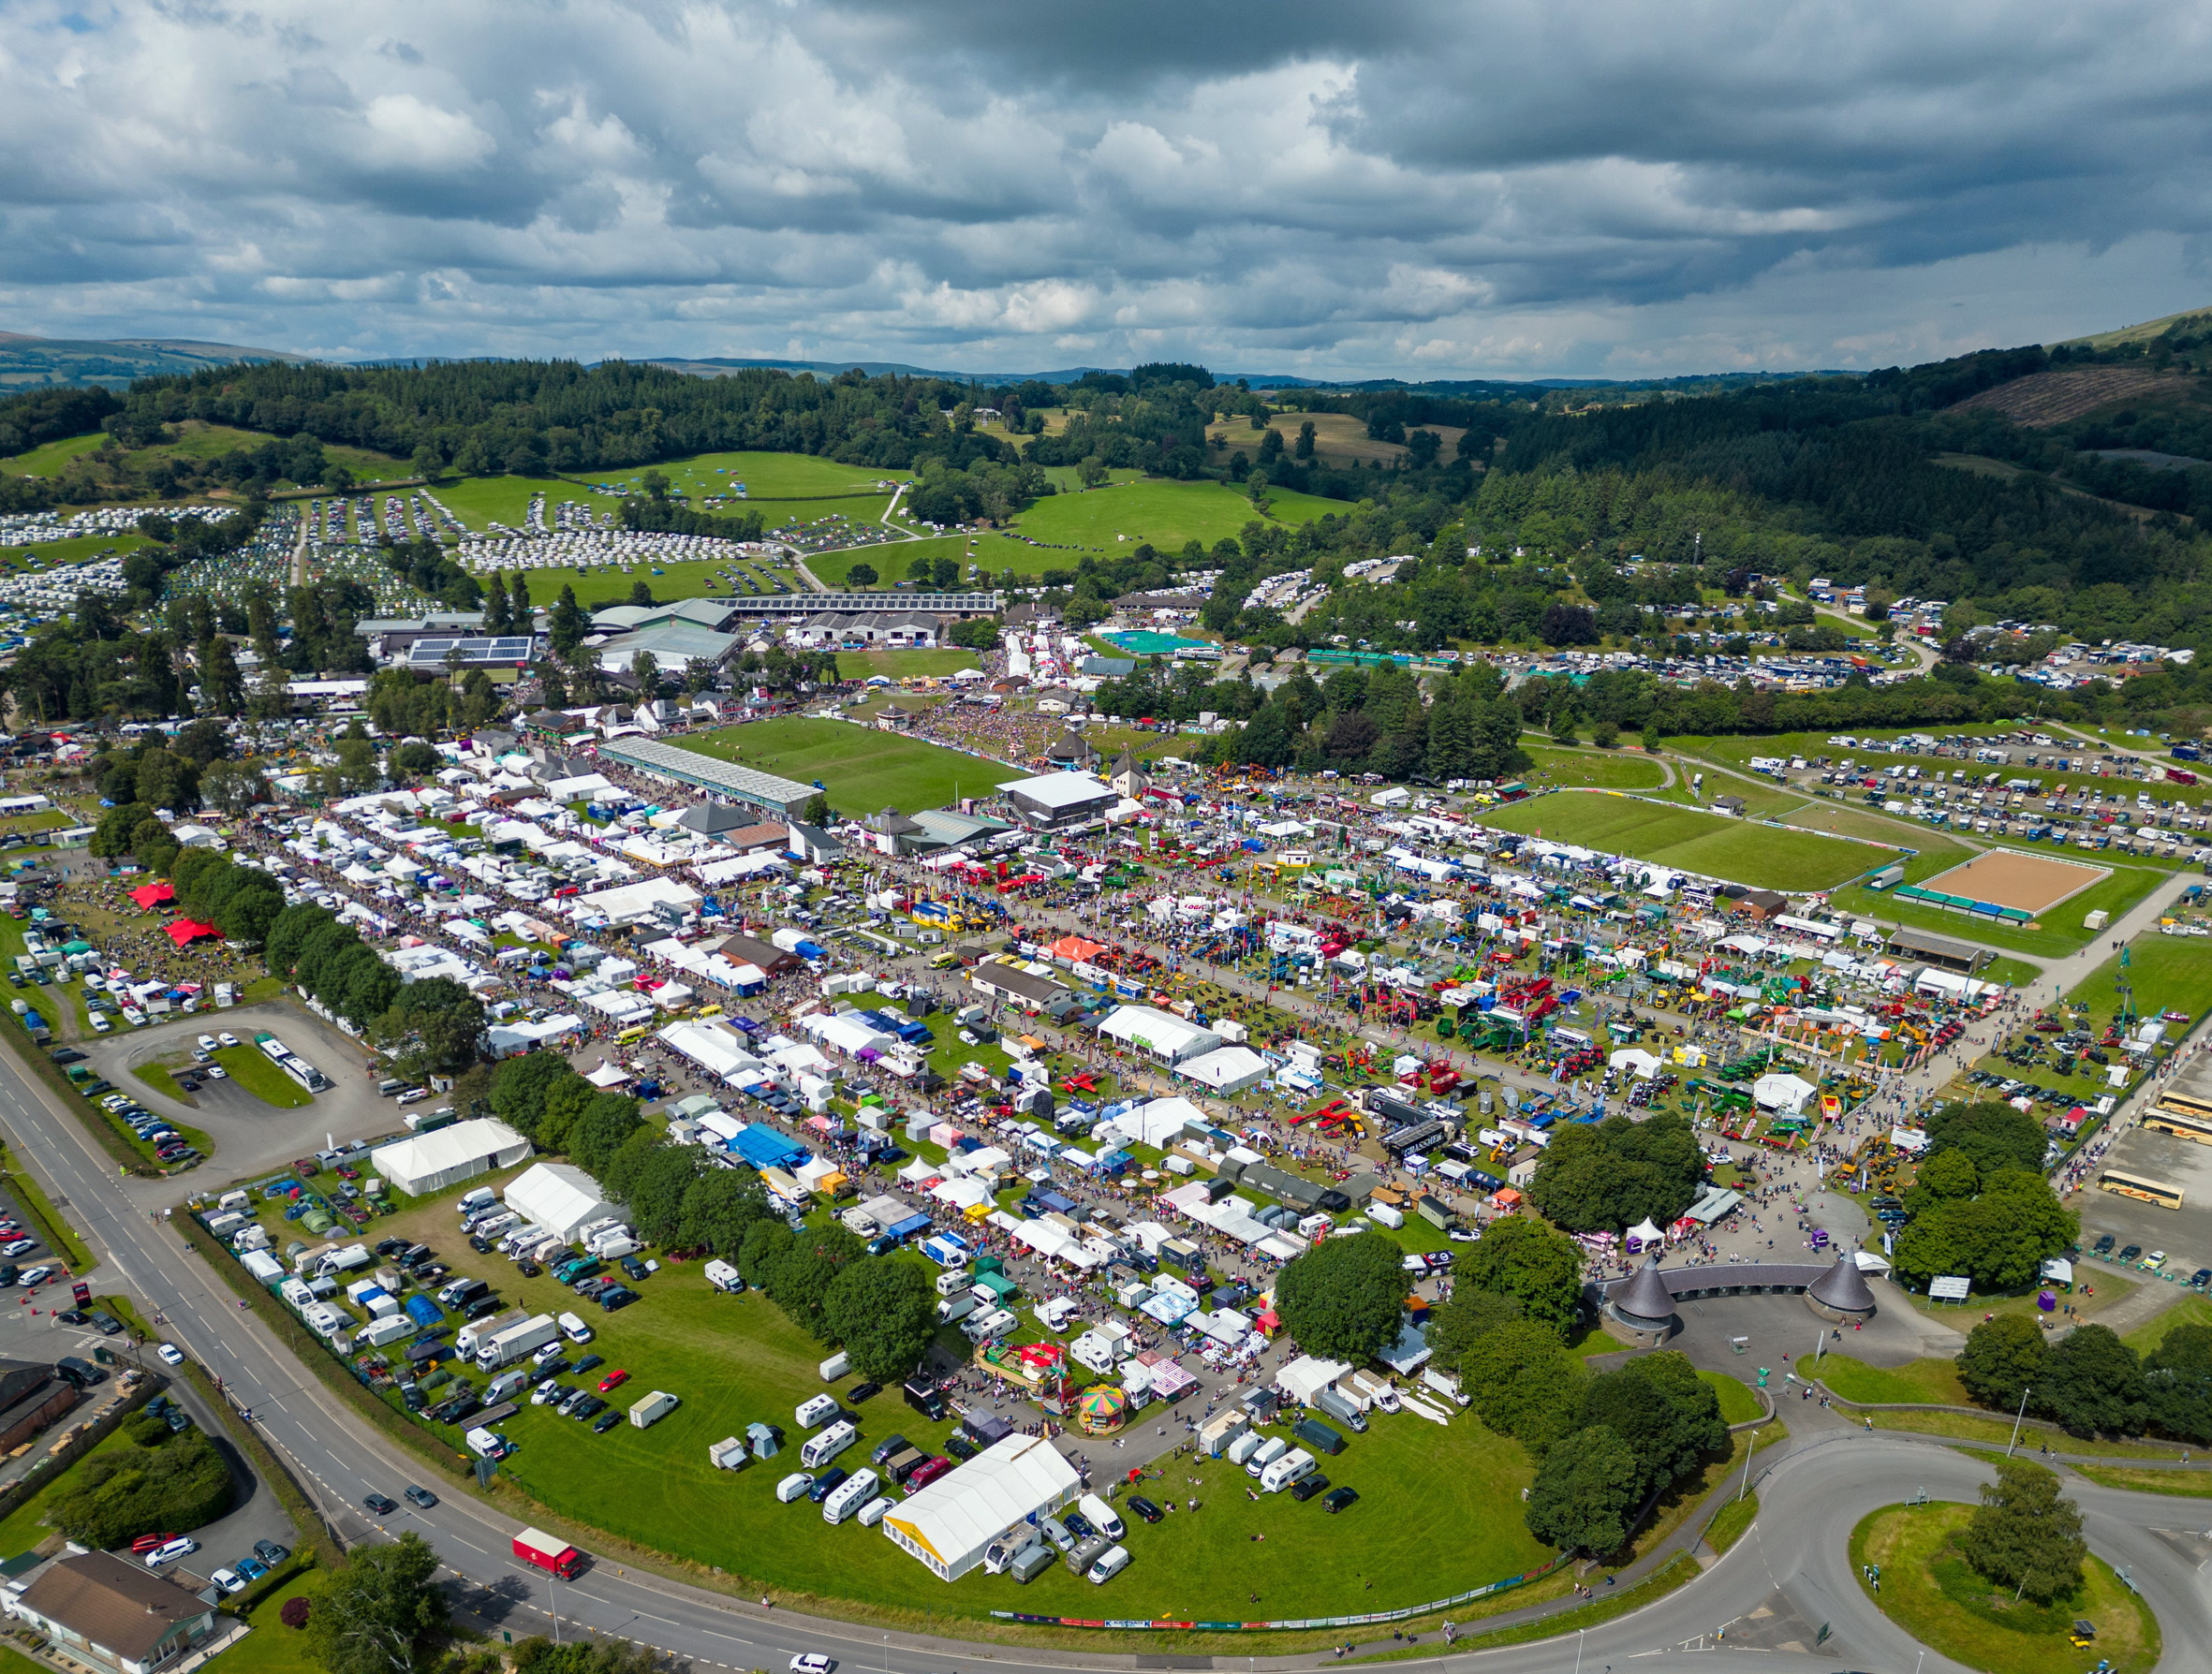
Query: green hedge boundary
x,y
340,1382
311,1536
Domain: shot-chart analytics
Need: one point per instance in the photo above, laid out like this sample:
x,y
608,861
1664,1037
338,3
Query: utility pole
x,y
2018,1419
1753,1448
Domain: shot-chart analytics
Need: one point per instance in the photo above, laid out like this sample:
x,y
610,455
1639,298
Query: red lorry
x,y
548,1552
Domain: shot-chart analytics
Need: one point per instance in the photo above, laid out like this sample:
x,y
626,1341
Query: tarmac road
x,y
1792,1566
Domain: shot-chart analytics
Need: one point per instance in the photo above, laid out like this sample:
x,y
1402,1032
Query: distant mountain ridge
x,y
31,362
43,362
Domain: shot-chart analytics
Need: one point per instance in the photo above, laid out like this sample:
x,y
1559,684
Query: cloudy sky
x,y
1428,189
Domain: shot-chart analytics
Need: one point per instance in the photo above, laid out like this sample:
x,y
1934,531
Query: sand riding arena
x,y
2031,884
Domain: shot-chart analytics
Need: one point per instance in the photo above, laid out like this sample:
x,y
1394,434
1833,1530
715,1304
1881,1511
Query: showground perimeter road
x,y
1786,1577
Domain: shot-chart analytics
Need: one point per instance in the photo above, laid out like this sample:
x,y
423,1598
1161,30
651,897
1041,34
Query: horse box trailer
x,y
653,1408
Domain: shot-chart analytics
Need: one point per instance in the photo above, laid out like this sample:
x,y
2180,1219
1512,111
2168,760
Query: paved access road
x,y
1749,1612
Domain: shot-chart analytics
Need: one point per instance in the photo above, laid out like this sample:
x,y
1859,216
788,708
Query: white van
x,y
1241,1449
819,1449
1294,1467
573,1328
1265,1454
848,1497
482,1197
871,1513
1111,1562
955,1308
835,1367
1101,1517
793,1487
816,1412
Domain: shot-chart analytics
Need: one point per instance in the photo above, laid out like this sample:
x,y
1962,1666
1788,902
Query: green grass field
x,y
2168,973
766,477
1929,1590
1439,1510
273,1647
1711,843
249,1066
54,553
1915,1381
1606,769
48,459
890,561
863,770
1165,513
902,664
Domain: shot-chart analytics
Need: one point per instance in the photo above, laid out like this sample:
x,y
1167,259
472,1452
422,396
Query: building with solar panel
x,y
502,659
746,786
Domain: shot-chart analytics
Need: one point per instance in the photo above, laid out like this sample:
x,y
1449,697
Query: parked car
x,y
171,1552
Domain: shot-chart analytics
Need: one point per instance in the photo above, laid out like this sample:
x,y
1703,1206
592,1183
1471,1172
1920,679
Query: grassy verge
x,y
2190,1484
2188,1308
309,1533
1928,1589
1967,1426
95,1119
163,1081
1738,1405
1676,1570
1728,1523
59,1235
1681,1501
249,1066
1915,1381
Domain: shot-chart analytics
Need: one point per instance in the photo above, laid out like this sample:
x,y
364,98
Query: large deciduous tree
x,y
884,1314
1584,1492
1343,1299
382,1613
2002,1358
2024,1536
1523,1258
1609,1176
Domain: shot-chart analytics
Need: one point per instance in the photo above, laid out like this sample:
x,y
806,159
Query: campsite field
x,y
1760,856
861,769
482,501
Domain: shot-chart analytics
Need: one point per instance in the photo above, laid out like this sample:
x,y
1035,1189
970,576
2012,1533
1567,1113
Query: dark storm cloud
x,y
1421,188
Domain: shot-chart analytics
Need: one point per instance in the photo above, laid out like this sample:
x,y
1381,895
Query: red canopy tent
x,y
150,896
184,931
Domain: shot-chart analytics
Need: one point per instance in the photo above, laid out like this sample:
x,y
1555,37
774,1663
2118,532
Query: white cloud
x,y
1435,190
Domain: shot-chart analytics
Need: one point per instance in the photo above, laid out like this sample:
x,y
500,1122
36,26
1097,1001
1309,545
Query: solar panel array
x,y
433,652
